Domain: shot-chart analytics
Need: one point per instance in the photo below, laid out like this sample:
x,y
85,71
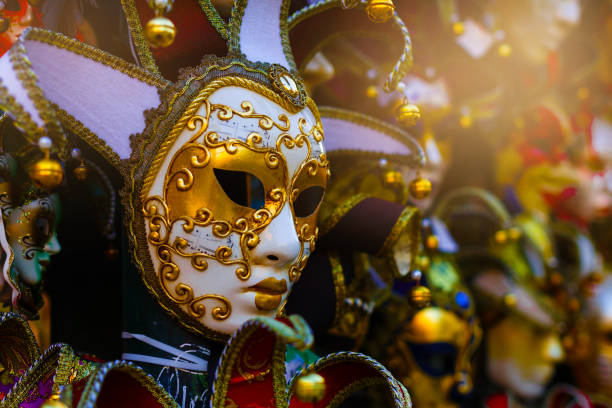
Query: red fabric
x,y
497,401
120,390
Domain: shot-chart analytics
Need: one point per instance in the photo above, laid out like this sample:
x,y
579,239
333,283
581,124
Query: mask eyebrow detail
x,y
241,187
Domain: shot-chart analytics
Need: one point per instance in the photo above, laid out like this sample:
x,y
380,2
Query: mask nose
x,y
552,349
278,242
53,247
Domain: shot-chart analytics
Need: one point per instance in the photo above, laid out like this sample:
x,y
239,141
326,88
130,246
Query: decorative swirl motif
x,y
198,310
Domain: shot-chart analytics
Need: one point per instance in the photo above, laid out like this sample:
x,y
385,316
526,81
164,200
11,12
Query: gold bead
x,y
5,24
47,173
392,178
371,91
514,233
458,28
465,121
424,262
310,388
160,32
408,114
380,11
80,172
53,402
432,242
501,237
420,188
504,50
419,297
510,300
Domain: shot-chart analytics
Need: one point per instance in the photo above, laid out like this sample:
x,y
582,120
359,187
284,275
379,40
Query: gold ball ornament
x,y
371,91
514,233
310,388
392,178
80,172
380,11
465,121
420,188
424,262
419,297
432,242
510,300
53,402
5,24
47,173
160,32
458,28
408,114
504,50
501,237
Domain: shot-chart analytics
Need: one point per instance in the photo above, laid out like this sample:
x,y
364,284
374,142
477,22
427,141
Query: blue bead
x,y
462,299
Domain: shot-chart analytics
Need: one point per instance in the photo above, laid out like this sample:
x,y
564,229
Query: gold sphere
x,y
47,173
80,172
160,32
419,297
380,11
465,121
458,28
53,402
432,242
5,24
510,300
392,178
420,188
424,262
514,233
408,114
504,50
371,91
501,237
310,388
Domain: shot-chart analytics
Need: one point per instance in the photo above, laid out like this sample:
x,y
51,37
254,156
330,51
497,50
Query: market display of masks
x,y
305,203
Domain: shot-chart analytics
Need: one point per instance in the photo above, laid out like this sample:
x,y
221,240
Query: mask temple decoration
x,y
224,171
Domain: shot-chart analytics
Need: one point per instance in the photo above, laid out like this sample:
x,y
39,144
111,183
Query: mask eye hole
x,y
308,201
242,188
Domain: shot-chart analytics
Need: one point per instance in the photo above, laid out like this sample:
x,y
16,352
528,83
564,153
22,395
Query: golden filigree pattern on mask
x,y
194,197
33,226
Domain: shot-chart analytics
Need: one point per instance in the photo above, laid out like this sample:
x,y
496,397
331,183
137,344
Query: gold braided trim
x,y
76,127
465,195
409,221
312,10
351,388
97,55
214,18
23,119
95,382
145,56
339,286
15,334
279,382
204,94
379,126
339,212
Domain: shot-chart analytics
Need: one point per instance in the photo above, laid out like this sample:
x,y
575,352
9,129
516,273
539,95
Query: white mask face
x,y
230,215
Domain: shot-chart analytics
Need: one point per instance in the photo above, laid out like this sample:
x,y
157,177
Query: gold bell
x,y
420,188
310,388
408,114
419,297
80,172
46,173
160,32
53,402
380,11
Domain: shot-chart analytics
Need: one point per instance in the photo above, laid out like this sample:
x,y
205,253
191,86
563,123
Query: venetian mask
x,y
230,201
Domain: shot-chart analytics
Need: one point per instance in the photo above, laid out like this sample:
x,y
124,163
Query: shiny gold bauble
x,y
514,233
465,121
501,237
504,50
371,91
5,24
160,32
53,402
408,114
424,262
80,172
419,297
458,28
47,173
510,300
420,188
432,242
310,388
392,178
380,11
